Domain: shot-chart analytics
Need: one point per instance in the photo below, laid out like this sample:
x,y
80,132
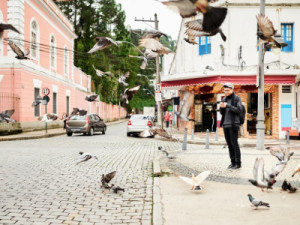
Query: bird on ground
x,y
102,43
168,155
117,188
105,179
20,54
6,26
282,154
144,62
5,116
154,131
195,182
266,30
161,148
297,170
84,156
259,175
100,73
288,187
39,100
256,203
91,98
185,106
129,93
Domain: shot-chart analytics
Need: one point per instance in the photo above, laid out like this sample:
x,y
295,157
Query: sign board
x,y
158,87
46,91
158,96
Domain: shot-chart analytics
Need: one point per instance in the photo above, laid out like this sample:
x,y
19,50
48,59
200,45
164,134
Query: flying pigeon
x,y
5,26
48,117
185,106
154,131
144,62
123,78
101,73
20,54
5,115
105,179
84,156
91,98
38,101
256,203
191,40
129,93
266,30
282,154
259,177
196,181
153,45
102,43
154,34
278,168
297,170
117,188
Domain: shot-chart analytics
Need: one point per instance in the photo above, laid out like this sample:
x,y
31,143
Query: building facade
x,y
49,36
202,69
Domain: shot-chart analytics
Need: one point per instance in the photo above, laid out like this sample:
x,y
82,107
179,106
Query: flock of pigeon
x,y
106,178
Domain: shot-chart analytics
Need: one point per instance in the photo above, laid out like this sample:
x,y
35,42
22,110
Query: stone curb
x,y
157,206
48,135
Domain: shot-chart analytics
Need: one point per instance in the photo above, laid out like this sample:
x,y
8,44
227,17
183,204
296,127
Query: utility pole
x,y
260,126
158,80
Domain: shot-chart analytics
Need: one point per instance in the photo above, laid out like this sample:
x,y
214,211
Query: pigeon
x,y
284,186
259,176
184,7
100,73
156,34
20,54
5,116
161,148
282,154
288,187
185,106
123,78
84,156
297,170
168,155
153,45
278,168
266,30
191,40
5,26
195,29
48,117
129,93
144,62
196,181
105,179
38,101
256,203
91,98
102,43
77,111
154,131
117,188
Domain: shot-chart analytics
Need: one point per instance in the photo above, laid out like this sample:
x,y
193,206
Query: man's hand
x,y
223,105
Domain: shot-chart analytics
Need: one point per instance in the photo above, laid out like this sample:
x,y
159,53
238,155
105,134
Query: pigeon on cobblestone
x,y
297,170
196,181
288,187
154,131
259,175
256,203
161,148
84,156
117,188
105,179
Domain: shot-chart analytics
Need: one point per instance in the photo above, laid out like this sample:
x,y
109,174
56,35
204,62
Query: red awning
x,y
242,80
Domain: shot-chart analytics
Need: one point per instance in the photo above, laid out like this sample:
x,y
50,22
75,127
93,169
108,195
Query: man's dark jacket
x,y
234,107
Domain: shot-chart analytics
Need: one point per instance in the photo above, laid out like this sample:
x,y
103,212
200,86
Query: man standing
x,y
230,109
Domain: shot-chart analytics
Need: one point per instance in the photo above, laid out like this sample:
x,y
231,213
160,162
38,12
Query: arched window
x,y
66,61
34,40
1,40
52,52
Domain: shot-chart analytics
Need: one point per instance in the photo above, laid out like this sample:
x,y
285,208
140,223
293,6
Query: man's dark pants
x,y
231,136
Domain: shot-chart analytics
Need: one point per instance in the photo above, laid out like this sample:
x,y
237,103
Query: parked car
x,y
138,123
87,124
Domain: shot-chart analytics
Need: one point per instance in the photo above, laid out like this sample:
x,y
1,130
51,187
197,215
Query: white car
x,y
138,123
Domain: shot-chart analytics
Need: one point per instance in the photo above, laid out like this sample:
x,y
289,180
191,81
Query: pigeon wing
x,y
265,25
9,112
278,154
202,176
195,25
16,49
184,7
255,168
196,33
187,180
150,54
260,170
4,26
151,43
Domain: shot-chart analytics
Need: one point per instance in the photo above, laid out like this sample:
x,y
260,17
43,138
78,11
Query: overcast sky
x,y
169,21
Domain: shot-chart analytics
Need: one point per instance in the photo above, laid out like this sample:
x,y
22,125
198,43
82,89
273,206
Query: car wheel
x,y
104,130
69,134
128,134
91,132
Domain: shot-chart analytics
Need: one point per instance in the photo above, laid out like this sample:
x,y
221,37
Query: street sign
x,y
158,87
46,91
46,98
158,96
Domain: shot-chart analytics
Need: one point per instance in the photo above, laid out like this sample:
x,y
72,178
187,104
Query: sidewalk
x,y
42,133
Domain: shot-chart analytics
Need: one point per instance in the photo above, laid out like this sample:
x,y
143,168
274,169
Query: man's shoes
x,y
236,167
231,166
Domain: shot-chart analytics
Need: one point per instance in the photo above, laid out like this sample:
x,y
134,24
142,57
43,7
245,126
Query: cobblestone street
x,y
40,183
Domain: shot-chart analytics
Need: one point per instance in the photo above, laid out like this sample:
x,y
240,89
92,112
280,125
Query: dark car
x,y
87,124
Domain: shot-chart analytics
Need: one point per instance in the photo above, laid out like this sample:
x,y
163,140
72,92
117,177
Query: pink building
x,y
49,35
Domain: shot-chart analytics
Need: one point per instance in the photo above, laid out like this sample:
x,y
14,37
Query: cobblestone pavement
x,y
40,183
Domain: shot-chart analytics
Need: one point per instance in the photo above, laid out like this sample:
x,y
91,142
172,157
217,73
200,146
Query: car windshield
x,y
77,117
140,117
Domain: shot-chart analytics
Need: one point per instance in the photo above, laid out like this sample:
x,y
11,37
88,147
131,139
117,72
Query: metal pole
x,y
260,127
288,137
46,125
192,136
184,143
207,139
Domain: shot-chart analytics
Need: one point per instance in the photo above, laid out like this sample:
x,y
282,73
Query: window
x,y
205,45
287,32
54,102
286,89
34,38
52,52
68,105
66,61
37,109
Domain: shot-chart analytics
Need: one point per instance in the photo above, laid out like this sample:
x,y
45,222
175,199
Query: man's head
x,y
228,89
